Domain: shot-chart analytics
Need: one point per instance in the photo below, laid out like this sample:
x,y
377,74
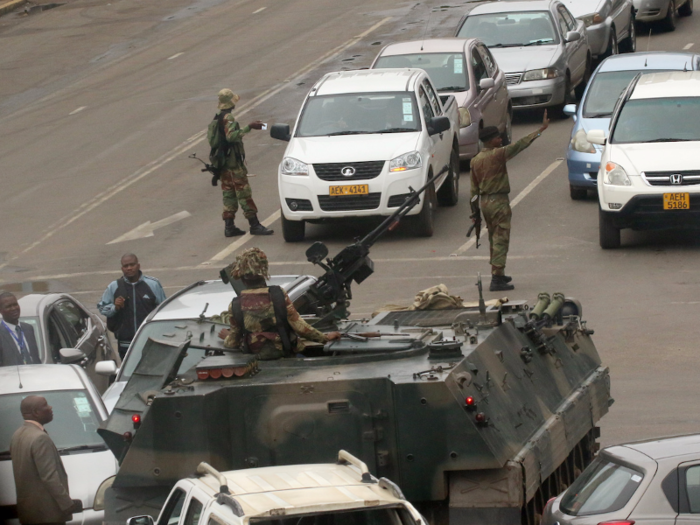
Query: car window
x,y
605,486
511,29
692,487
488,60
73,315
34,323
563,26
570,20
446,70
60,335
173,508
194,511
604,91
425,104
433,98
658,120
478,66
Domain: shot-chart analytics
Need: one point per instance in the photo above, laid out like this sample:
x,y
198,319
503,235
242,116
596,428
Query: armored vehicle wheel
x,y
293,231
423,224
448,194
609,233
577,194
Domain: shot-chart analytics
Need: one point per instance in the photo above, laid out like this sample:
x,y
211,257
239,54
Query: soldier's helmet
x,y
250,263
227,99
488,133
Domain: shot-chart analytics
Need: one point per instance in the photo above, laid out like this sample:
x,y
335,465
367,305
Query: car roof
x,y
512,6
668,84
650,60
39,378
299,488
366,81
673,447
431,45
29,304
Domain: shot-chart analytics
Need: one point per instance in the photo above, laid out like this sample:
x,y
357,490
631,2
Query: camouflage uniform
x,y
259,315
489,178
234,180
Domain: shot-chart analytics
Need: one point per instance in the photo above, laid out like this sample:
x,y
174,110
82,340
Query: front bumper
x,y
583,168
537,93
650,10
645,212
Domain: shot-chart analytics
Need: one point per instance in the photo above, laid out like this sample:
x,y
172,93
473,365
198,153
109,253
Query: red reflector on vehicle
x,y
136,419
215,373
469,401
202,374
227,372
619,522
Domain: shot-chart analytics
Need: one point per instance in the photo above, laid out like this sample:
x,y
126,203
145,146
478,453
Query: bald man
x,y
40,479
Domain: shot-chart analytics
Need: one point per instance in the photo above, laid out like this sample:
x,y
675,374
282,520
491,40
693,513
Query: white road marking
x,y
259,10
147,228
554,165
195,139
176,55
688,46
77,110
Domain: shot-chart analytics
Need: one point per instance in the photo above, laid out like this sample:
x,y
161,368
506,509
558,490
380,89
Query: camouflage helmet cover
x,y
227,99
252,261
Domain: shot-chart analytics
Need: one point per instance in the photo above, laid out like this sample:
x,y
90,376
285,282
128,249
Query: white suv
x,y
649,173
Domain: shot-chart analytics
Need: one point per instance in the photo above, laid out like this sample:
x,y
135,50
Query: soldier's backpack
x,y
220,147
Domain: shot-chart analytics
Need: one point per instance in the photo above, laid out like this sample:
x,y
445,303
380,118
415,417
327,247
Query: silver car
x,y
539,44
662,12
466,69
651,482
609,25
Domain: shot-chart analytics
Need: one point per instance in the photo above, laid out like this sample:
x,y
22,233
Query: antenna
x,y
425,32
685,67
19,378
648,43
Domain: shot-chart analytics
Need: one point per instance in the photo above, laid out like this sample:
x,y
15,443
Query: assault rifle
x,y
329,298
476,218
215,173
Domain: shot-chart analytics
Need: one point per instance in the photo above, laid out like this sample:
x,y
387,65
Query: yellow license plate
x,y
676,201
355,189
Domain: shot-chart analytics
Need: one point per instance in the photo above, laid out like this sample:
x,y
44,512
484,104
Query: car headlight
x,y
541,74
591,19
407,161
616,175
465,119
99,501
580,143
292,166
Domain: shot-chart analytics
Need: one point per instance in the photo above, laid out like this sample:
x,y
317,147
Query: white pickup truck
x,y
361,141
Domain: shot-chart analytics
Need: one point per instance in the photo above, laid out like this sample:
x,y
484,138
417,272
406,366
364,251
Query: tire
x,y
609,233
686,9
558,110
448,194
669,23
584,81
577,194
507,135
424,223
293,231
629,44
613,48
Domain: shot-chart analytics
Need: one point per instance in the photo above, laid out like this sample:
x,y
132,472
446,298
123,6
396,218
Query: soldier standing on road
x,y
263,319
489,178
227,154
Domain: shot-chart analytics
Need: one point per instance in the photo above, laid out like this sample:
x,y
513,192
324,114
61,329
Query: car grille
x,y
397,200
349,202
513,78
363,170
666,178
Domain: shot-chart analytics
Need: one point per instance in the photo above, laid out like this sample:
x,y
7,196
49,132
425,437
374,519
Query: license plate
x,y
676,201
355,189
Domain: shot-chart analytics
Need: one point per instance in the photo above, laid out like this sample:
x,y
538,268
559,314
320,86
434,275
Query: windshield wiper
x,y
66,450
394,130
506,45
458,89
337,133
597,115
538,42
668,140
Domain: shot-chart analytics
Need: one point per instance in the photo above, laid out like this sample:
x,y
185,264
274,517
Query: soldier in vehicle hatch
x,y
489,178
263,318
227,156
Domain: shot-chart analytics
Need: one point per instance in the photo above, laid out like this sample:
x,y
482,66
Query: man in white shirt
x,y
17,339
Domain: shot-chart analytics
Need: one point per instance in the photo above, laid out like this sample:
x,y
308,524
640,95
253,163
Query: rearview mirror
x,y
570,109
486,83
572,36
438,125
280,132
316,252
140,520
71,355
106,368
596,136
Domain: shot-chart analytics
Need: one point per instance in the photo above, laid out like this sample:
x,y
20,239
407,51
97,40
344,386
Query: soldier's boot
x,y
497,270
507,278
231,230
499,284
258,229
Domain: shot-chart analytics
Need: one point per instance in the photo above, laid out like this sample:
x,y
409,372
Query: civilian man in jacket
x,y
127,301
41,480
17,340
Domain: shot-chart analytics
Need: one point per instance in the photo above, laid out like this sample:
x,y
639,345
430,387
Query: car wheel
x,y
686,9
424,222
609,233
448,194
612,44
629,45
584,82
507,135
669,23
577,194
293,231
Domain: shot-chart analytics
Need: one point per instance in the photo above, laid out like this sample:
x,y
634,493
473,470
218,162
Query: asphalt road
x,y
101,102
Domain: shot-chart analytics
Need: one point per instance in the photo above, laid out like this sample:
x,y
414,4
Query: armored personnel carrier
x,y
479,414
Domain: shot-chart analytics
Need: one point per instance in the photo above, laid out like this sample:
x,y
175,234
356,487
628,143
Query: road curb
x,y
10,6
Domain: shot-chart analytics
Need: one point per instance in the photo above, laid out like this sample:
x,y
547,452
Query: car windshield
x,y
74,425
658,120
447,70
34,323
511,29
603,487
604,91
377,516
359,114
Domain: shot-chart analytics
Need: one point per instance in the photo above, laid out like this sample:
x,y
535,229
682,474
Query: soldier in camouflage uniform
x,y
489,178
262,335
234,175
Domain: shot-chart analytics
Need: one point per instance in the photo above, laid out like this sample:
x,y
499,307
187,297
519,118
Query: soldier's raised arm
x,y
512,150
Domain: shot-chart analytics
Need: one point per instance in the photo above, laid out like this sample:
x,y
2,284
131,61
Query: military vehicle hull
x,y
480,417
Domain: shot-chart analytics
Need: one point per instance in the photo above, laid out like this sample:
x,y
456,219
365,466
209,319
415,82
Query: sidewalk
x,y
8,7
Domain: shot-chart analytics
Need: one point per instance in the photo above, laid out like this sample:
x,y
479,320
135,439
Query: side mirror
x,y
280,132
71,355
596,136
438,125
140,520
486,83
106,368
316,252
570,109
572,36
